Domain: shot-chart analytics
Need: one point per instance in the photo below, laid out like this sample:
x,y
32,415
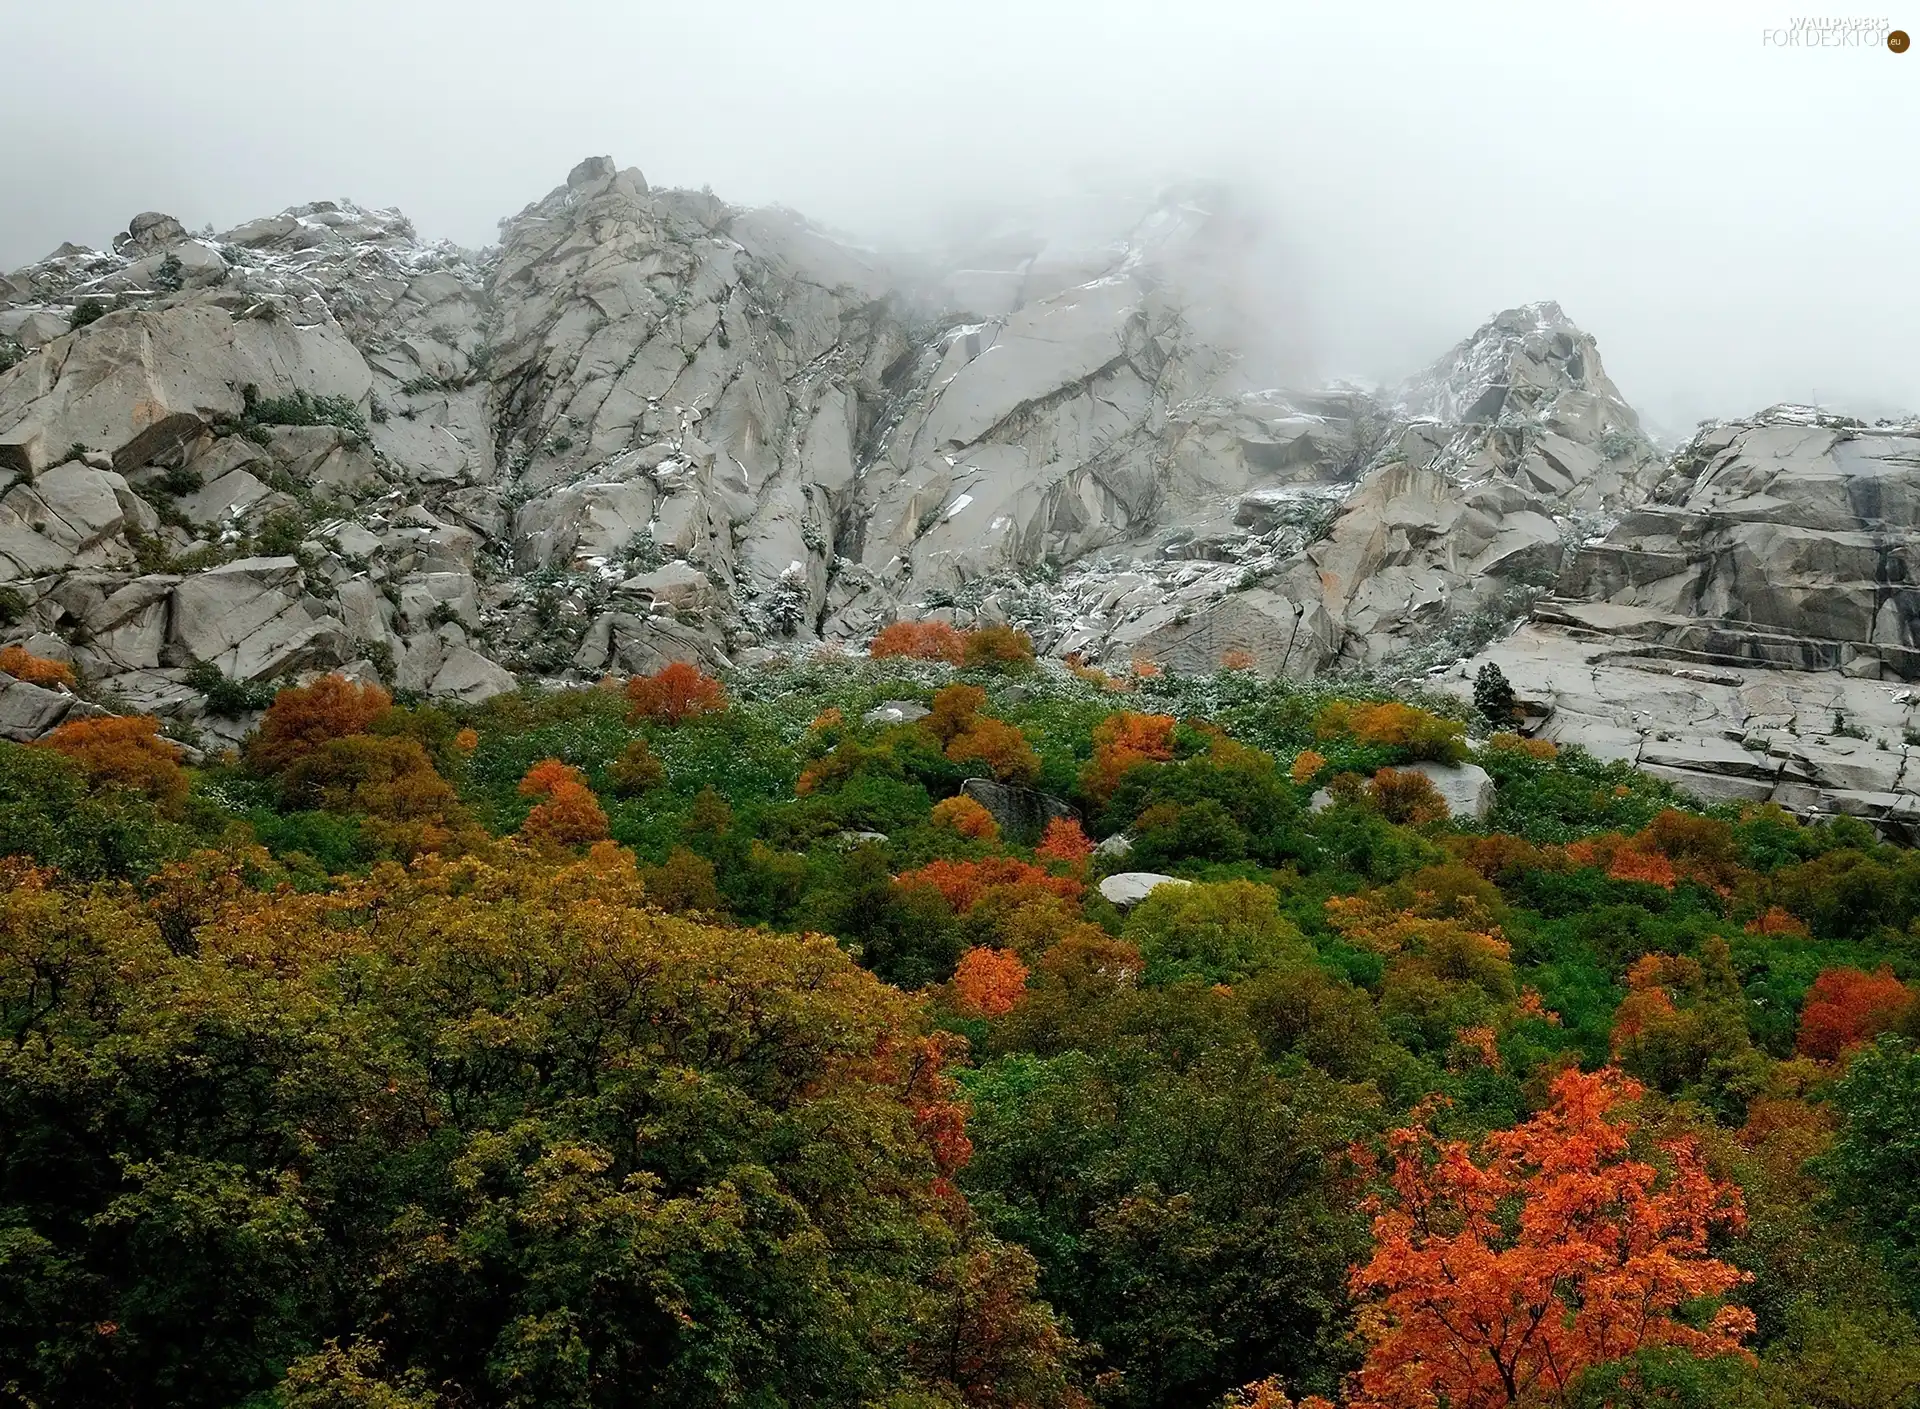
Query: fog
x,y
1734,221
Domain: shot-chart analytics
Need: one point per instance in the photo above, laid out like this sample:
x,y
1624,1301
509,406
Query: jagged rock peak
x,y
1517,363
147,231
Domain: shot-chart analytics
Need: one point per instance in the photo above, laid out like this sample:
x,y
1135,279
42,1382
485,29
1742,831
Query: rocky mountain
x,y
648,426
1749,630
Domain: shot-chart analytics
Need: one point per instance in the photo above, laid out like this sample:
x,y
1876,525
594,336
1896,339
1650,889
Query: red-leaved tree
x,y
675,693
1846,1007
920,640
1066,843
989,983
124,751
22,664
962,884
1498,1275
964,816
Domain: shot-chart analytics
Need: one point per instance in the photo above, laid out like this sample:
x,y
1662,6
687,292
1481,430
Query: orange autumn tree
x,y
1001,747
1774,920
954,710
1122,742
124,751
568,813
1394,725
1270,1394
1402,795
1624,859
1306,767
997,646
1500,1274
674,694
1064,842
1676,846
968,736
965,817
963,884
989,983
302,718
1846,1007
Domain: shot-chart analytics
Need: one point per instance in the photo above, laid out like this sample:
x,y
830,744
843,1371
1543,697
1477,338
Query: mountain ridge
x,y
650,426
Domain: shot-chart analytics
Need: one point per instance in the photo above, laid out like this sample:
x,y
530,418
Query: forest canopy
x,y
696,1041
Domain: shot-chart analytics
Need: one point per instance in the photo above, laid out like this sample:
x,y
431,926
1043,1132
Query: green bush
x,y
228,698
47,814
1222,933
303,409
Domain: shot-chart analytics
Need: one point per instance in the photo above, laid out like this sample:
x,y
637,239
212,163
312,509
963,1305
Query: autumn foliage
x,y
999,646
22,664
989,646
1270,1393
568,813
636,769
1846,1007
302,718
971,737
674,694
1776,921
1394,725
389,783
1065,843
920,640
988,983
963,884
1499,1274
1402,795
1675,847
1306,767
1001,747
1542,749
466,1101
123,751
1165,1116
965,817
1122,742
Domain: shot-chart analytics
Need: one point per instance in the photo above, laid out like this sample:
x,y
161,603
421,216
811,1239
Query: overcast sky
x,y
1736,223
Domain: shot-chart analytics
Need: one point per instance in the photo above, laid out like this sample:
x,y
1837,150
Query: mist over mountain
x,y
1724,216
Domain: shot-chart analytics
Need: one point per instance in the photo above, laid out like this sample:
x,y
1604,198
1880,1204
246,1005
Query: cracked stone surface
x,y
650,426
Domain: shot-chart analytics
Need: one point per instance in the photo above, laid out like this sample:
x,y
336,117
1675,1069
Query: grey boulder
x,y
1126,889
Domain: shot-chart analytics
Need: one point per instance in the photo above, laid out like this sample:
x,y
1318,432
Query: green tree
x,y
1874,1165
1223,932
545,1145
1493,695
1189,1217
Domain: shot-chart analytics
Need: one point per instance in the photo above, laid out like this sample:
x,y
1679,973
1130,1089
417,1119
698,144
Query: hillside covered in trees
x,y
770,1041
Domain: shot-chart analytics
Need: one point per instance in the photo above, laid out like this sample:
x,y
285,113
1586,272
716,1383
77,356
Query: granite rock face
x,y
649,426
1749,631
